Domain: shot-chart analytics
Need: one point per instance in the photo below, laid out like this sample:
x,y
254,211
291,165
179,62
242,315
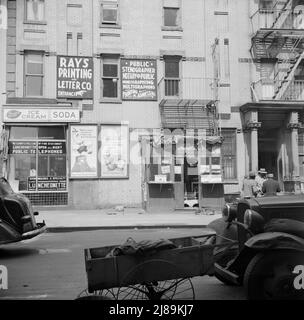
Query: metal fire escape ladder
x,y
291,66
282,11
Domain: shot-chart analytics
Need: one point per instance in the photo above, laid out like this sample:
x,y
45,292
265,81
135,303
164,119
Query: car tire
x,y
269,276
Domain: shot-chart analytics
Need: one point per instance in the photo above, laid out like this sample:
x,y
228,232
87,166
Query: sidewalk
x,y
73,220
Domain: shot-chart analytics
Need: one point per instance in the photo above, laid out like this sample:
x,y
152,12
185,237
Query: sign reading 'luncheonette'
x,y
75,77
138,79
40,115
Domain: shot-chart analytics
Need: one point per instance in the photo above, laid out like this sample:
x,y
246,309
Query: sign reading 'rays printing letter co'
x,y
75,77
139,79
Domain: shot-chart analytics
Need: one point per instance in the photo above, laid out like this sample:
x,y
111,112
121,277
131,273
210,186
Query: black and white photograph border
x,y
151,150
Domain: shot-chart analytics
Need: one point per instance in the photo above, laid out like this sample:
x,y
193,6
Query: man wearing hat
x,y
250,186
260,179
271,186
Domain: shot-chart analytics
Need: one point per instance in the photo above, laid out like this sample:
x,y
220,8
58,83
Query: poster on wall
x,y
114,151
139,79
83,151
75,77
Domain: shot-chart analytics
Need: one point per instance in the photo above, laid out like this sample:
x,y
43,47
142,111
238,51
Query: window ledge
x,y
164,28
109,26
108,100
233,181
35,22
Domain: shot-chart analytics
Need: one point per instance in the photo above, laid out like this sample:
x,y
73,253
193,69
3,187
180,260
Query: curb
x,y
96,228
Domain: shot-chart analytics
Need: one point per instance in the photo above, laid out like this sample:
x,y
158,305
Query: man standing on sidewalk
x,y
271,186
250,186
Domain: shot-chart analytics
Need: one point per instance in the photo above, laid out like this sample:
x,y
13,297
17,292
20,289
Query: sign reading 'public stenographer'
x,y
139,79
75,77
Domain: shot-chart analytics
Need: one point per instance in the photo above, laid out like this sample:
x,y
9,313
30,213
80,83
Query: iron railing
x,y
277,19
188,88
266,89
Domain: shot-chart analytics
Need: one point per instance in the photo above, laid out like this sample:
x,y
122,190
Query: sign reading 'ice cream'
x,y
75,77
40,115
139,79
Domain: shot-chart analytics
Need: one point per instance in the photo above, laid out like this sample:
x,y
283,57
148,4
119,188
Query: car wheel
x,y
269,276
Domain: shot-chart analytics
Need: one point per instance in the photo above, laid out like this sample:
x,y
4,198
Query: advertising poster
x,y
75,77
139,79
83,146
114,151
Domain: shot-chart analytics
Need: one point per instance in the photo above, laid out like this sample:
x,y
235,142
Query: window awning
x,y
188,114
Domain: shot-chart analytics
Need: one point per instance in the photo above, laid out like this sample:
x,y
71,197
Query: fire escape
x,y
278,39
190,103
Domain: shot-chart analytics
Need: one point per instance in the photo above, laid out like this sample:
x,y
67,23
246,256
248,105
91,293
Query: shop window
x,y
25,133
110,78
229,154
34,74
37,159
23,167
109,12
172,76
56,133
35,10
33,133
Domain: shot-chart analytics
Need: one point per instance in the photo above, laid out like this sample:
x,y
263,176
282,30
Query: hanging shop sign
x,y
139,79
47,184
83,151
75,77
51,147
22,147
114,151
40,115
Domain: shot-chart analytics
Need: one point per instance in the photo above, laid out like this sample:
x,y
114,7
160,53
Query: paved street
x,y
52,266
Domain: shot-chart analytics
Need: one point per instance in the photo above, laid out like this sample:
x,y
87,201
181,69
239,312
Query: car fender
x,y
8,234
275,240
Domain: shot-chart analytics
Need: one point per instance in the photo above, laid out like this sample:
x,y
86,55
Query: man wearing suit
x,y
271,186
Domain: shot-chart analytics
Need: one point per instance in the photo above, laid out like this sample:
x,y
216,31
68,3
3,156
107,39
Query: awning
x,y
188,114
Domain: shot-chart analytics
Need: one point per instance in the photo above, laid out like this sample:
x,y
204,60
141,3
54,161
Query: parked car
x,y
17,218
261,242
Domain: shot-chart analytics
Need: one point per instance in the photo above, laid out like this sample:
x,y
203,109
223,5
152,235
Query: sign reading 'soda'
x,y
75,77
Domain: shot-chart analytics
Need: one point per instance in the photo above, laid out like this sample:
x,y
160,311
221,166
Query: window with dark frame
x,y
171,17
110,78
109,12
35,10
228,152
172,76
34,74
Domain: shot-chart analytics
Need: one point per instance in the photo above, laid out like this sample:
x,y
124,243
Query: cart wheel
x,y
155,290
107,294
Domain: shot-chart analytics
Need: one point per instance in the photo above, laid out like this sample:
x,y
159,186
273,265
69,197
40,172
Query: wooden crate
x,y
191,258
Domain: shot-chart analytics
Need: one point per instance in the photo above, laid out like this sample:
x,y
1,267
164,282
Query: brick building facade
x,y
94,89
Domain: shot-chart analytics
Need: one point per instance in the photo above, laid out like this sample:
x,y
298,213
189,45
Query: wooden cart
x,y
162,275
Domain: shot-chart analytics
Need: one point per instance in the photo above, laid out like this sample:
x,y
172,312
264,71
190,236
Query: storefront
x,y
183,171
37,153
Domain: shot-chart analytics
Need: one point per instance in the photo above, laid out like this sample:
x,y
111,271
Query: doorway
x,y
268,151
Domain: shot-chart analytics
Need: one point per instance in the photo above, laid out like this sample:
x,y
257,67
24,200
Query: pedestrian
x,y
271,186
260,179
250,186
